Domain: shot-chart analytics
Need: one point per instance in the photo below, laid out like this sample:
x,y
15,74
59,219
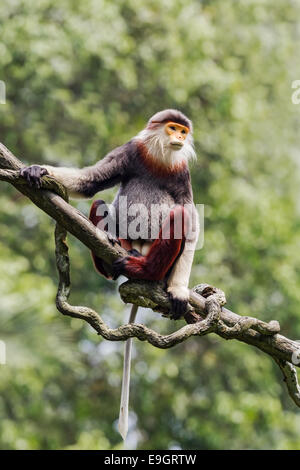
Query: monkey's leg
x,y
162,254
123,416
98,215
179,275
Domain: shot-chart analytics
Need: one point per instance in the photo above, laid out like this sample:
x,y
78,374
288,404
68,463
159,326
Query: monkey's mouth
x,y
176,145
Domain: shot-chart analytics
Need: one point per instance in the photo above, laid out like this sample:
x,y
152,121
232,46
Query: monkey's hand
x,y
33,174
179,297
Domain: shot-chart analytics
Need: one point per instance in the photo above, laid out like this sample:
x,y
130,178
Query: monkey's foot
x,y
179,298
179,308
33,175
118,267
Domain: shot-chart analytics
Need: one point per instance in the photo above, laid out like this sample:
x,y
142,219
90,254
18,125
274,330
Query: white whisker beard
x,y
157,143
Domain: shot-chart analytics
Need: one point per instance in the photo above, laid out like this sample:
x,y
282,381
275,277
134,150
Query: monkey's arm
x,y
85,182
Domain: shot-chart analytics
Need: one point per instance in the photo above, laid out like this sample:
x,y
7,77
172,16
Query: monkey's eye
x,y
183,131
173,128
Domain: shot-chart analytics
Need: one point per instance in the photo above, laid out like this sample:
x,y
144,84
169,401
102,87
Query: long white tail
x,y
123,416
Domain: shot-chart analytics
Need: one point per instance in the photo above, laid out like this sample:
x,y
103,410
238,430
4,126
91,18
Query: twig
x,y
291,379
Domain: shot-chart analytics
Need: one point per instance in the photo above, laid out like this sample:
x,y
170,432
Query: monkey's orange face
x,y
177,134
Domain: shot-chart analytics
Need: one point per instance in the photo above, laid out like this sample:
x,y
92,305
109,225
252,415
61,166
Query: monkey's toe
x,y
118,267
135,253
112,239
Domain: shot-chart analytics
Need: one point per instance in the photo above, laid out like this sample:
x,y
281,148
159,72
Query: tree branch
x,y
56,206
207,313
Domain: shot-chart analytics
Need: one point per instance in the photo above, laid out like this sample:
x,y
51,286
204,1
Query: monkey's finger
x,y
44,172
112,239
36,175
39,173
24,173
176,309
35,171
28,175
179,307
35,181
30,179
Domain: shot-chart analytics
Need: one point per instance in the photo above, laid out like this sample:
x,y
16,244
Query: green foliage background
x,y
83,77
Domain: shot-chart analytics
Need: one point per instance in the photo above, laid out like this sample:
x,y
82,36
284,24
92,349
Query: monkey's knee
x,y
137,267
98,212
